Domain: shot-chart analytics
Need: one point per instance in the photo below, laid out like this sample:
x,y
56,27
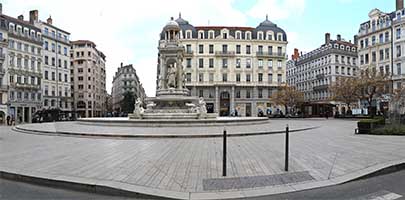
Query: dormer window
x,y
269,36
238,35
225,35
279,37
248,35
260,36
211,34
201,34
188,34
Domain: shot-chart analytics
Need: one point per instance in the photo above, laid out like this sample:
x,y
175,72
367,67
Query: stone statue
x,y
138,111
202,108
171,76
160,82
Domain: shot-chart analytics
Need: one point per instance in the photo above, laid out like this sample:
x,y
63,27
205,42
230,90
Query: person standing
x,y
8,120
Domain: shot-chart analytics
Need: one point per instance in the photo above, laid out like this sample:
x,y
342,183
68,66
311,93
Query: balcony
x,y
25,86
225,53
270,54
188,53
320,76
321,87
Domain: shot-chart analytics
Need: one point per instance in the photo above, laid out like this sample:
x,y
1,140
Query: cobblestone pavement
x,y
181,164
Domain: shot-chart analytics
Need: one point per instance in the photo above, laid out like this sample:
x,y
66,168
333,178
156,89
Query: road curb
x,y
111,135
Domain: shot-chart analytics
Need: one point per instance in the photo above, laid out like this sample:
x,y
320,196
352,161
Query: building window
x,y
201,93
224,77
381,38
270,78
211,63
248,77
211,48
387,53
248,94
225,35
279,64
237,94
279,78
260,77
237,77
260,63
248,63
46,75
53,76
200,77
398,33
224,63
270,64
200,48
188,62
398,51
238,49
399,71
373,56
201,63
260,93
188,77
188,49
211,77
238,63
381,54
248,49
224,48
387,36
373,40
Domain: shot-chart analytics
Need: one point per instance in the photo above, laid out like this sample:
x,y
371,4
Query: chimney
x,y
338,37
400,4
327,38
296,54
33,16
122,64
1,8
20,17
49,20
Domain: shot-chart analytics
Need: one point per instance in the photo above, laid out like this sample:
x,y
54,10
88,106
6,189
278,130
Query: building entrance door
x,y
224,104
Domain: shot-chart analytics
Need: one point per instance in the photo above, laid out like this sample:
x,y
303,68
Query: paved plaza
x,y
189,168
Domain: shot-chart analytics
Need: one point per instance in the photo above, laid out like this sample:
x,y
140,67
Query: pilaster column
x,y
216,99
232,100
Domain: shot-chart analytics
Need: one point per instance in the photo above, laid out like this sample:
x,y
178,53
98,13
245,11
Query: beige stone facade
x,y
126,80
235,69
88,79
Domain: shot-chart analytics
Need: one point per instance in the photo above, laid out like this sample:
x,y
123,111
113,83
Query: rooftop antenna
x,y
267,17
179,14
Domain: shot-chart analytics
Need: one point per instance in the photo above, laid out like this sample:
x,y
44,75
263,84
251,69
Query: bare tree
x,y
372,85
345,89
288,96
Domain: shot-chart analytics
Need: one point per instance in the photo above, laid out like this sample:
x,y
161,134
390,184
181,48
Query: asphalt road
x,y
385,187
14,190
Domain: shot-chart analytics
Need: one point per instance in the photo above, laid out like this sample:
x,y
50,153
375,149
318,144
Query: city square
x,y
223,109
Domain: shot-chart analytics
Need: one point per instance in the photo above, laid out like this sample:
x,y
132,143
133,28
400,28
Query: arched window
x,y
260,35
211,34
238,35
201,34
248,35
188,34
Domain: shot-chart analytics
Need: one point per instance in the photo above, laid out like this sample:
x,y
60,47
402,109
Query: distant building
x,y
313,73
234,68
3,68
126,80
88,78
23,68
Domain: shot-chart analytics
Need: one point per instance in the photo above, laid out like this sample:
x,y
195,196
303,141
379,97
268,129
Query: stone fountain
x,y
172,99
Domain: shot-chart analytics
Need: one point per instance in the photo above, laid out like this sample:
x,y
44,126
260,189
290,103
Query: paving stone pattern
x,y
255,181
181,164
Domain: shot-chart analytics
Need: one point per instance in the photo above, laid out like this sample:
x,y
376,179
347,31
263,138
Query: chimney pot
x,y
327,38
20,17
338,37
399,4
49,20
33,16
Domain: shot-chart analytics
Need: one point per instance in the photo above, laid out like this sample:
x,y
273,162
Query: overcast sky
x,y
128,31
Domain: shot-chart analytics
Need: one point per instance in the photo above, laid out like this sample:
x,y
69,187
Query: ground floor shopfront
x,y
238,101
23,112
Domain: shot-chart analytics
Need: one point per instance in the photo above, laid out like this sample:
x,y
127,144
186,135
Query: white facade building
x,y
235,69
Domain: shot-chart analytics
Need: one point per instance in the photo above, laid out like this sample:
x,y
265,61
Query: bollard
x,y
224,155
286,148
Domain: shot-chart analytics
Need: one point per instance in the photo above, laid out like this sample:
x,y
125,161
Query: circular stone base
x,y
219,121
